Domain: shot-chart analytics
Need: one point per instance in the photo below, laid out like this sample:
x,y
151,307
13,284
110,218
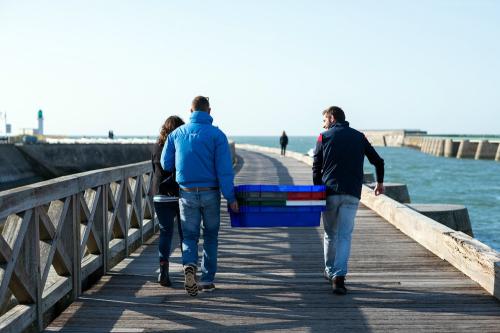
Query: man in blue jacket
x,y
338,164
199,152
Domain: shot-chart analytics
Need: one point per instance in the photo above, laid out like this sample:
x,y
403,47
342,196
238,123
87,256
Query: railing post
x,y
36,268
138,206
105,236
77,278
123,210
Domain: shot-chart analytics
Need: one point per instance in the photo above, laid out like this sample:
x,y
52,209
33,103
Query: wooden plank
x,y
73,243
104,226
37,268
55,292
17,319
90,264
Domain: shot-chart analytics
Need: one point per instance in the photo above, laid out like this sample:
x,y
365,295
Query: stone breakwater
x,y
479,149
474,149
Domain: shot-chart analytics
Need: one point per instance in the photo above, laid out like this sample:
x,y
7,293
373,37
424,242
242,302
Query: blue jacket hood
x,y
199,152
201,117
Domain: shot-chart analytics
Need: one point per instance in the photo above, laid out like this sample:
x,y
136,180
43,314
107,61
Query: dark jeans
x,y
283,150
167,216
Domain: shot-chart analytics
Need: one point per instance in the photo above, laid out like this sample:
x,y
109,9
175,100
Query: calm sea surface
x,y
430,179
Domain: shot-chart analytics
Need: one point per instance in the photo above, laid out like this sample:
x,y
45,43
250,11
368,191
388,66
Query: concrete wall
x,y
391,138
15,169
482,150
467,149
25,164
413,141
64,159
451,148
486,150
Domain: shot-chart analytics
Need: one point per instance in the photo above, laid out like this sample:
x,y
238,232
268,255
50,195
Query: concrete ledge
x,y
396,191
455,217
473,258
476,260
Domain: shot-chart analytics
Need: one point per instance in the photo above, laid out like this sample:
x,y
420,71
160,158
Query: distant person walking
x,y
338,164
283,143
202,159
164,184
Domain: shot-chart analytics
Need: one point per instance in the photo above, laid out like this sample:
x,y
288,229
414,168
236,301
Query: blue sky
x,y
266,65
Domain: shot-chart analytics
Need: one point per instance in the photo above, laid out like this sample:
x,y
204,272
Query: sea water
x,y
430,179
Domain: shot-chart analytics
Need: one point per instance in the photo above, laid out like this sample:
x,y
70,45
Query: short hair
x,y
200,103
336,112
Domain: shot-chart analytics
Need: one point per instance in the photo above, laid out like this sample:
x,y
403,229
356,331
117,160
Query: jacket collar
x,y
340,124
201,117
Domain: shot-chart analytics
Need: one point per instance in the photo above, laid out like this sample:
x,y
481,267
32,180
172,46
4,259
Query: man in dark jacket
x,y
338,164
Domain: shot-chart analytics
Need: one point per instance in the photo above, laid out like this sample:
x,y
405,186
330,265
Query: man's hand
x,y
234,207
379,189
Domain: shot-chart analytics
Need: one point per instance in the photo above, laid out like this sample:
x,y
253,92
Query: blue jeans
x,y
195,206
167,217
338,222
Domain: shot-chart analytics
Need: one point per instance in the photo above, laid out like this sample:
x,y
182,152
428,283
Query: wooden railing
x,y
57,235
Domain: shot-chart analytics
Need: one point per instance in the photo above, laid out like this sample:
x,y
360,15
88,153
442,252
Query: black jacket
x,y
283,140
339,157
163,182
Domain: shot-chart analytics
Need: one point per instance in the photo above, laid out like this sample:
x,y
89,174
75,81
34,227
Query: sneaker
x,y
338,285
206,287
190,280
163,277
327,277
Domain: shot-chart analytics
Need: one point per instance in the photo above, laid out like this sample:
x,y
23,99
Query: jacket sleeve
x,y
375,160
317,167
224,167
167,159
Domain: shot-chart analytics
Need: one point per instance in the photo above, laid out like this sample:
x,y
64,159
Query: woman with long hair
x,y
165,191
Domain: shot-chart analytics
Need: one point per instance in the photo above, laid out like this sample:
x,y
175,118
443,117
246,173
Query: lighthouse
x,y
40,123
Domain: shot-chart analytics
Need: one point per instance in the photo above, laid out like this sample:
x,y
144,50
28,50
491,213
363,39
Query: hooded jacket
x,y
200,154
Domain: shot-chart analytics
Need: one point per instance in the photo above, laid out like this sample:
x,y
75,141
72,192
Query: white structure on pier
x,y
40,123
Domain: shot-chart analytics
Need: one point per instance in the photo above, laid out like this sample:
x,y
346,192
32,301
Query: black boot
x,y
163,277
338,285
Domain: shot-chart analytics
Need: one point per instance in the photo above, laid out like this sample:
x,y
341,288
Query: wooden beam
x,y
14,254
47,252
34,195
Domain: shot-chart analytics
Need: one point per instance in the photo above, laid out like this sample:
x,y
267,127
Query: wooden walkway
x,y
271,280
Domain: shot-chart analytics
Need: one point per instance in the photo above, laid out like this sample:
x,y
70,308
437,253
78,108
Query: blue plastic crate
x,y
290,216
280,188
